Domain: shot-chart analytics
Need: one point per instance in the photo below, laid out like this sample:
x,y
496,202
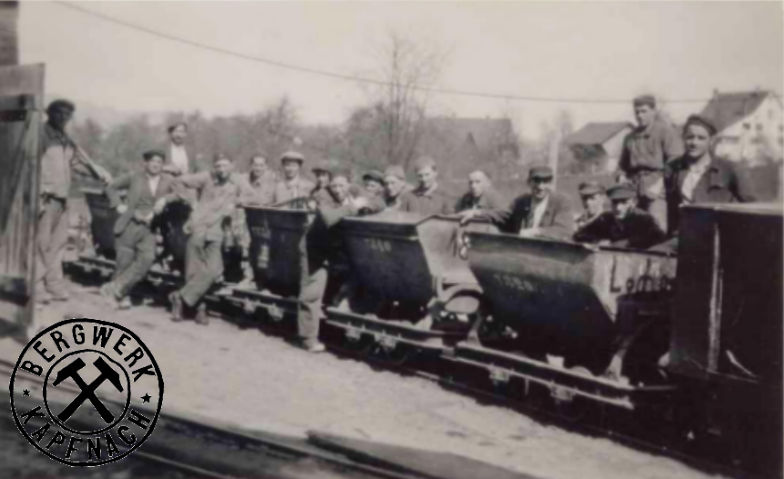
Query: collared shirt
x,y
153,182
287,190
693,175
489,200
217,201
650,148
537,212
179,158
426,202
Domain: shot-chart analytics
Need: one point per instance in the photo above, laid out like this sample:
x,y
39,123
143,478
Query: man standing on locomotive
x,y
219,193
321,253
480,195
645,153
542,212
426,199
625,226
592,197
148,192
699,177
293,186
60,157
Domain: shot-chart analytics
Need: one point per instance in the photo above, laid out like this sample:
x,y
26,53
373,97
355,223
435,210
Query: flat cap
x,y
323,165
150,153
623,191
424,162
373,175
589,188
649,100
293,156
543,172
61,103
702,121
396,171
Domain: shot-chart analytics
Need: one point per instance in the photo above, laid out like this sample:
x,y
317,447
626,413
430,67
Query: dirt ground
x,y
245,377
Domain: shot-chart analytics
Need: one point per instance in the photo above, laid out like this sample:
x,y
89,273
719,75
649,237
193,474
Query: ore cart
x,y
579,320
411,283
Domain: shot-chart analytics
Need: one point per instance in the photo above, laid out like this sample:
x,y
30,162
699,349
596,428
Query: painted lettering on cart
x,y
513,282
641,277
376,244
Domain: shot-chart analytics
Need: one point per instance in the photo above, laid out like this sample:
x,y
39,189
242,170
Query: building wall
x,y
613,147
758,135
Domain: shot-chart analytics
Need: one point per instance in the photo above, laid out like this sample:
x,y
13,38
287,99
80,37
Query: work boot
x,y
201,315
176,304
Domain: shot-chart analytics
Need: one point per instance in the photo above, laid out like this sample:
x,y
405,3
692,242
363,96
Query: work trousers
x,y
203,266
135,256
51,241
309,310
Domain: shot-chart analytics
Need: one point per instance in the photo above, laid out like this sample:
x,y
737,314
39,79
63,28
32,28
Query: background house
x,y
749,124
596,147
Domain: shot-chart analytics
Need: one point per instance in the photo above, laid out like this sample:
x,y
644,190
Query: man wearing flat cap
x,y
60,157
292,186
592,197
540,213
148,191
426,199
219,192
625,226
700,177
480,194
645,153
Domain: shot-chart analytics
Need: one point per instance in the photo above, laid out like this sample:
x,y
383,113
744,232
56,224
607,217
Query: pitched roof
x,y
726,109
596,133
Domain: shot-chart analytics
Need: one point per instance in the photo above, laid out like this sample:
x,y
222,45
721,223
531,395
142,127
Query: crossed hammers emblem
x,y
88,390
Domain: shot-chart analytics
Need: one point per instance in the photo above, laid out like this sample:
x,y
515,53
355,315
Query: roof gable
x,y
596,133
726,109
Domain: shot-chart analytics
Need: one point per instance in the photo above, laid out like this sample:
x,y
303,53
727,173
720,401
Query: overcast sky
x,y
676,50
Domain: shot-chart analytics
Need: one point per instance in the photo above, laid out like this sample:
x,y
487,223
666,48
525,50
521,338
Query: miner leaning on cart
x,y
219,194
148,192
60,157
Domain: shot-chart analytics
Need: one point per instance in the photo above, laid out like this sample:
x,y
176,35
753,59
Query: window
x,y
746,126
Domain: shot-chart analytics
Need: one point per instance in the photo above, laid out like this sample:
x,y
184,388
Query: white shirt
x,y
179,157
153,182
539,207
693,176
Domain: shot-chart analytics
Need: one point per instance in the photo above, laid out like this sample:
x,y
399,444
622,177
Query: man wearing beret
x,y
60,157
219,193
700,177
625,226
292,186
426,199
373,191
148,191
480,195
542,212
645,153
320,195
592,197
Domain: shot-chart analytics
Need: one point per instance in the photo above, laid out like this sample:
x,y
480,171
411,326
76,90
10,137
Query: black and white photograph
x,y
391,239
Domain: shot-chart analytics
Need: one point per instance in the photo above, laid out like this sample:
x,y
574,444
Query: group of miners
x,y
659,171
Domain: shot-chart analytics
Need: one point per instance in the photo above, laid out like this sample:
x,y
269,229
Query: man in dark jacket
x,y
480,194
699,177
625,226
540,213
148,193
427,198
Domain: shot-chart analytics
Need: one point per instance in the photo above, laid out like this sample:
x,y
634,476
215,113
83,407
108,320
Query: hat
x,y
322,166
292,155
174,126
645,100
373,175
590,188
61,103
396,171
424,162
543,172
220,156
147,155
702,121
623,191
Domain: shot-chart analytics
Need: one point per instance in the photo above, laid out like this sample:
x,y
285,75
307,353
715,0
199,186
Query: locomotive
x,y
695,336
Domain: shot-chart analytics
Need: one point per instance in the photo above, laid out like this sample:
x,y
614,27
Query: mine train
x,y
693,338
